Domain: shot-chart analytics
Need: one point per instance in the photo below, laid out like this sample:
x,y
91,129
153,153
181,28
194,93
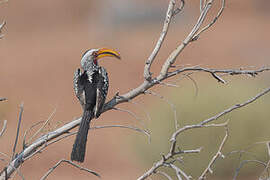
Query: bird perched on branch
x,y
91,88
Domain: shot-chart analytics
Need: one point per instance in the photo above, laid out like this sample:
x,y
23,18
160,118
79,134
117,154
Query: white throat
x,y
87,61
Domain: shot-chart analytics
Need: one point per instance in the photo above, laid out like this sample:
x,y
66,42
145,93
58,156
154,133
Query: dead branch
x,y
202,124
49,138
127,127
28,130
244,163
196,36
216,156
178,172
148,63
43,126
18,130
169,103
268,163
139,119
1,36
73,164
3,128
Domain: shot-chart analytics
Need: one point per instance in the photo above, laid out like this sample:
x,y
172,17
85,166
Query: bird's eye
x,y
95,54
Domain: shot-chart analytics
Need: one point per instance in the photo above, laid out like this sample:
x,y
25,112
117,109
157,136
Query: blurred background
x,y
43,44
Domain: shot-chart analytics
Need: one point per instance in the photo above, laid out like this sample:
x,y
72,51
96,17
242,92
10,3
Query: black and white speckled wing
x,y
102,91
78,88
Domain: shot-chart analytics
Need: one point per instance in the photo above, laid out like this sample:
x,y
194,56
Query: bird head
x,y
90,57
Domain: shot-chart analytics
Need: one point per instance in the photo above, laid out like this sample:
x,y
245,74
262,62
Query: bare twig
x,y
144,110
27,131
172,58
219,71
169,103
43,126
245,162
196,36
3,128
202,2
139,119
148,63
50,143
127,127
188,75
237,106
265,171
164,174
69,162
216,156
179,172
67,134
180,8
218,78
1,26
4,171
18,130
168,84
147,114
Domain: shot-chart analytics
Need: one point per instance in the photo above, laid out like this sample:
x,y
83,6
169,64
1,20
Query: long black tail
x,y
79,146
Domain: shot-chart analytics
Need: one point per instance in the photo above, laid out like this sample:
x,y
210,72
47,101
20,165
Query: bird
x,y
91,86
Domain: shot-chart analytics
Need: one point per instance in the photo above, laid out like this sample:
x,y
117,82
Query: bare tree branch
x,y
15,163
139,119
147,114
4,171
51,136
218,78
216,156
127,127
69,162
245,162
28,130
18,130
196,36
172,58
180,8
148,63
3,128
168,102
237,106
43,126
219,71
1,27
268,163
164,174
202,2
180,172
202,123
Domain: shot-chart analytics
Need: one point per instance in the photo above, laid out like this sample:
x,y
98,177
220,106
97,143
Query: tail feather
x,y
79,146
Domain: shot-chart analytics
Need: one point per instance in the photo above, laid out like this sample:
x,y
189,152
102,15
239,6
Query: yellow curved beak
x,y
104,52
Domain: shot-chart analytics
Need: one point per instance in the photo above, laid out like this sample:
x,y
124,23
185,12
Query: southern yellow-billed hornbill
x,y
91,88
